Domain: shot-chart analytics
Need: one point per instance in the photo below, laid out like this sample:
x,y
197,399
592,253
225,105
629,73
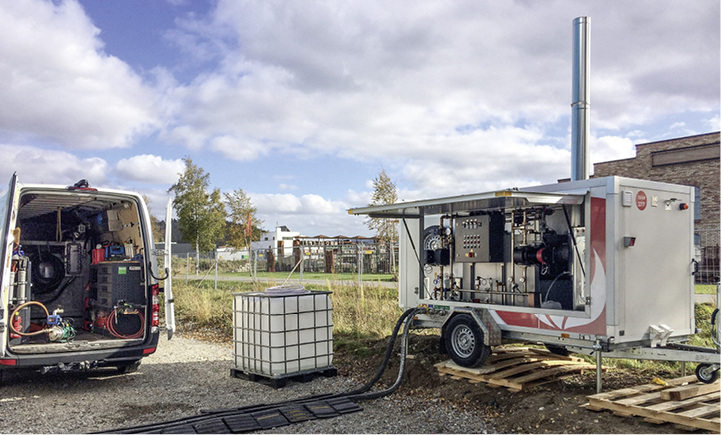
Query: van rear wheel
x,y
464,341
128,367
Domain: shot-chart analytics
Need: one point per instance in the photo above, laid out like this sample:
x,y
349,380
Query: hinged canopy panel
x,y
463,204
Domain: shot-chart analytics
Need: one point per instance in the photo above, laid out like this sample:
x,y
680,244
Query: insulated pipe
x,y
581,103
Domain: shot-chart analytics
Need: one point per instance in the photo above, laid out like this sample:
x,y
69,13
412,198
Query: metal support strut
x,y
599,366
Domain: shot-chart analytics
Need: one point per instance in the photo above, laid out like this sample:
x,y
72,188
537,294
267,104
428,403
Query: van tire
x,y
464,341
130,367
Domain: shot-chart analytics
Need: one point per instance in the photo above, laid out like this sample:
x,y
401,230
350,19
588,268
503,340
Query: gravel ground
x,y
187,375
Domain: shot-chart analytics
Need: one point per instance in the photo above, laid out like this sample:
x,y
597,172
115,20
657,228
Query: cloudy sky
x,y
302,103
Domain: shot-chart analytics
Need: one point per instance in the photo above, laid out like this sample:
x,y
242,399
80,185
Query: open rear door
x,y
8,218
169,301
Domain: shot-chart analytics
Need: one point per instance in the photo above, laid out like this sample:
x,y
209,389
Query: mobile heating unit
x,y
600,265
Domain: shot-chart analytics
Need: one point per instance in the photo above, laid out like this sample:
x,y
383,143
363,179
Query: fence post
x,y
360,264
187,266
302,260
255,265
216,267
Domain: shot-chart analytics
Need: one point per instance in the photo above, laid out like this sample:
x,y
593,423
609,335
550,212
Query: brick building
x,y
691,161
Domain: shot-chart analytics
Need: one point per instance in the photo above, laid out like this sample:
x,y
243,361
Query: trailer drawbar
x,y
267,416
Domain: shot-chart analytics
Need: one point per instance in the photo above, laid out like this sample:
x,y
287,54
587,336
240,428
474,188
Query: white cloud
x,y
609,148
410,81
37,165
59,85
309,214
286,203
148,168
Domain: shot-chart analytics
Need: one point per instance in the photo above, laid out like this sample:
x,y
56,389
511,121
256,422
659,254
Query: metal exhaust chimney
x,y
580,105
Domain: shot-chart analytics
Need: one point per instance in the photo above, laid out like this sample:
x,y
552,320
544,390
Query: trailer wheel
x,y
707,373
130,367
464,341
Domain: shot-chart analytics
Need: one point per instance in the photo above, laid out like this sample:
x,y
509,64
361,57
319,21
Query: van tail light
x,y
156,306
8,362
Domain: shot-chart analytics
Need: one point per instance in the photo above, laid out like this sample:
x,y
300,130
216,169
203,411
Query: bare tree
x,y
244,225
385,192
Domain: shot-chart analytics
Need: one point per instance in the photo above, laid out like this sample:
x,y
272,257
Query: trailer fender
x,y
491,330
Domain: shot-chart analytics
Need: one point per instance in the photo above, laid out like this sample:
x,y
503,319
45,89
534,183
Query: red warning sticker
x,y
641,200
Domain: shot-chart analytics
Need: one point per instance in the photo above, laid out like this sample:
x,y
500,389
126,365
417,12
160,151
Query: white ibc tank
x,y
284,331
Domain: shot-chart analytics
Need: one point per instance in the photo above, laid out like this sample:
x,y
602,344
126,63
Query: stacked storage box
x,y
118,281
282,332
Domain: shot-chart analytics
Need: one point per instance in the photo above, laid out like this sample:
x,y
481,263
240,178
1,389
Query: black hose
x,y
357,394
401,368
41,284
389,352
60,291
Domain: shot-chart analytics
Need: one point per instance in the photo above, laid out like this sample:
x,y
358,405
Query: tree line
x,y
207,218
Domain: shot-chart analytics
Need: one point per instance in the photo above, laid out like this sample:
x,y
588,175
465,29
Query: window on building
x,y
697,203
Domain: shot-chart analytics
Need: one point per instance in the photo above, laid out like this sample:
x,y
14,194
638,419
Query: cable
x,y
545,299
573,238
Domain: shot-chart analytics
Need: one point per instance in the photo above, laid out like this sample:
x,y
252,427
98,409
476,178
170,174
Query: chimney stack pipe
x,y
581,104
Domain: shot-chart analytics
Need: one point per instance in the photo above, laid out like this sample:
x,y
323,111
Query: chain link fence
x,y
371,258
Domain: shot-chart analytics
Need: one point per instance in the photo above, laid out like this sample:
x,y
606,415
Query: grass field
x,y
705,289
365,312
281,276
361,314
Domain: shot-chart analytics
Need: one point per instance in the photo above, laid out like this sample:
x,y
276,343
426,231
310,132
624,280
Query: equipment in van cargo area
x,y
284,331
81,278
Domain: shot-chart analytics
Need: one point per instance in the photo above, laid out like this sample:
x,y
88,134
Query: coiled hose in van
x,y
29,334
113,318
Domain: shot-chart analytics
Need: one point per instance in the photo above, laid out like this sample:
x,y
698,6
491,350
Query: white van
x,y
79,279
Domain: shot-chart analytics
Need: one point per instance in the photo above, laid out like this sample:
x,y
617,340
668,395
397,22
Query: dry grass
x,y
368,311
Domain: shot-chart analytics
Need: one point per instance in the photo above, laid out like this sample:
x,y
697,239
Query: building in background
x,y
692,161
280,240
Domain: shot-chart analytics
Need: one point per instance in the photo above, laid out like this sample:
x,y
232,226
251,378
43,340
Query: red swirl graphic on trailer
x,y
596,324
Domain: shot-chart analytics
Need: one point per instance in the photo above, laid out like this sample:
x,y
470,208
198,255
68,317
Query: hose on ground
x,y
401,368
360,393
389,352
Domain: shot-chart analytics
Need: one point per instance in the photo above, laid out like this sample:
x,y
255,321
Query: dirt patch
x,y
550,408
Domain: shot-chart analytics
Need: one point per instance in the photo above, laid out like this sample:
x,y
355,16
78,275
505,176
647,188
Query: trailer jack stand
x,y
599,370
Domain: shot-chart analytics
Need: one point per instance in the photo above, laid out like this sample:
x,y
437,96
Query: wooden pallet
x,y
517,368
684,402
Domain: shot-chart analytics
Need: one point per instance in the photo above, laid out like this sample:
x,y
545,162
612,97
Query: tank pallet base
x,y
683,402
279,381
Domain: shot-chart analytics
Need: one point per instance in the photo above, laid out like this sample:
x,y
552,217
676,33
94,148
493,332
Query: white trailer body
x,y
599,264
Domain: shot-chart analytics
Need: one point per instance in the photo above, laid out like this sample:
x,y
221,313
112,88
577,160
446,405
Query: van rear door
x,y
8,219
169,302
